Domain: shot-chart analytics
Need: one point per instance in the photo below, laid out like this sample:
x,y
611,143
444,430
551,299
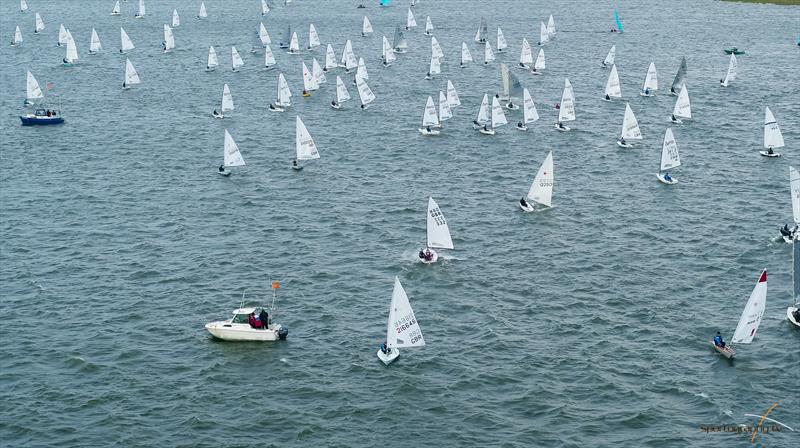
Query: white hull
x,y
434,259
275,108
562,128
624,145
676,120
217,115
387,359
521,128
510,106
424,131
727,352
529,208
225,173
538,72
767,154
790,316
297,167
242,332
646,94
671,180
486,131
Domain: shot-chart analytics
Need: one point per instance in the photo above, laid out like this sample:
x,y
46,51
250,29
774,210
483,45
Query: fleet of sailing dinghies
x,y
438,234
402,328
513,98
772,135
749,321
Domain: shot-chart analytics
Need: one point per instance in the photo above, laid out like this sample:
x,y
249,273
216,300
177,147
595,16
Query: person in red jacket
x,y
252,320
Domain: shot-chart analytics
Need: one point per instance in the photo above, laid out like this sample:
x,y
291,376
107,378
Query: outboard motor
x,y
282,333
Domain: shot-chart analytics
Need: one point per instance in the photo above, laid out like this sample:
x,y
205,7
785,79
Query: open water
x,y
585,325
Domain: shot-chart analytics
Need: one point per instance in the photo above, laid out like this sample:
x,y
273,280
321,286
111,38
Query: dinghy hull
x,y
426,132
624,145
387,359
767,154
671,181
790,316
726,352
433,259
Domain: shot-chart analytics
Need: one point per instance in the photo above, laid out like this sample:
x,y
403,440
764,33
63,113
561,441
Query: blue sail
x,y
619,24
385,2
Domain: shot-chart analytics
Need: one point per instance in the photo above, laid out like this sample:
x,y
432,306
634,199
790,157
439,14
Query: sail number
x,y
438,217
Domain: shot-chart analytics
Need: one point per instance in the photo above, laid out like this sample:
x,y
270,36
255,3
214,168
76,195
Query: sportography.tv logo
x,y
758,432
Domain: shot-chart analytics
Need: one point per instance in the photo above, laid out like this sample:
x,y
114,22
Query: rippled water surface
x,y
585,325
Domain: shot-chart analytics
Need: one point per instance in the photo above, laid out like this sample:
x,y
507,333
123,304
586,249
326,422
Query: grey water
x,y
584,325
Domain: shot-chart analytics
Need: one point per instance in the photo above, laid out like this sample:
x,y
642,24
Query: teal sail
x,y
619,24
385,2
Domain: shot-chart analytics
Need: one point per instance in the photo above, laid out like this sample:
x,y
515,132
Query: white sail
x,y
176,19
544,36
131,77
551,26
72,50
465,54
33,91
772,133
264,7
309,82
732,68
428,25
227,99
683,108
501,40
429,117
794,186
342,94
316,70
62,35
526,56
269,57
361,71
294,44
142,9
540,65
330,58
17,36
541,190
651,79
364,92
94,44
313,37
438,231
566,111
630,126
284,94
203,13
436,49
410,21
444,107
39,23
488,54
169,38
304,144
612,85
435,67
483,112
498,116
452,95
752,313
568,89
232,156
115,10
483,32
366,28
263,35
388,52
126,43
23,5
529,112
400,41
349,58
402,329
669,152
612,53
212,58
505,79
236,60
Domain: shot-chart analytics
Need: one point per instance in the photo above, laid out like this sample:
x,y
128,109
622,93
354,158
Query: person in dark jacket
x,y
718,341
264,316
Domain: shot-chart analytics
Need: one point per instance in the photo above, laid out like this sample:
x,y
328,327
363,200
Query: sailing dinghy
x,y
539,65
94,43
525,56
483,32
227,103
236,60
212,62
364,93
680,78
529,113
465,55
683,108
305,149
731,74
612,85
131,76
115,10
142,10
428,26
650,81
202,14
502,44
612,54
540,195
429,119
630,128
366,27
789,234
342,94
18,37
402,329
483,114
750,319
438,233
772,135
283,95
231,156
566,110
669,159
126,44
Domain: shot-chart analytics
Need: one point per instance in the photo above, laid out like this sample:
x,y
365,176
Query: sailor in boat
x,y
718,341
334,104
520,125
613,30
608,98
558,106
475,122
671,90
385,64
121,52
364,106
647,90
361,6
667,177
124,85
622,142
510,105
384,349
426,254
796,314
216,114
787,231
306,93
272,107
673,118
428,76
521,65
770,151
560,125
263,316
164,45
524,203
486,127
428,129
222,169
295,166
65,61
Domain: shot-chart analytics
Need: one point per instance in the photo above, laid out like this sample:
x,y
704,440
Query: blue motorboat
x,y
42,117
